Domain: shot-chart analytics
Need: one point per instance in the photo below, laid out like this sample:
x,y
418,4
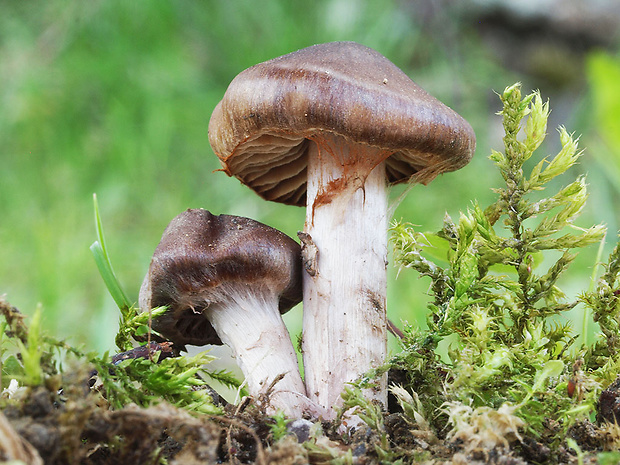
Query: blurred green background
x,y
114,97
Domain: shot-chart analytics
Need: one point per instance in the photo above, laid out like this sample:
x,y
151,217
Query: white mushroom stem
x,y
345,256
251,325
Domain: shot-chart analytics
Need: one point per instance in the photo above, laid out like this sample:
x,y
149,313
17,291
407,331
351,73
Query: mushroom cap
x,y
262,127
203,258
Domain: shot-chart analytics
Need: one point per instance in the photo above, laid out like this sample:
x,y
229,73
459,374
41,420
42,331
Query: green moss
x,y
496,301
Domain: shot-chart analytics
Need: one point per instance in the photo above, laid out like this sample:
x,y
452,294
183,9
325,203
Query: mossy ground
x,y
68,422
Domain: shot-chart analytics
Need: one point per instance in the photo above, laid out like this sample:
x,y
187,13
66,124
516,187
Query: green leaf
x,y
536,125
104,265
32,351
552,368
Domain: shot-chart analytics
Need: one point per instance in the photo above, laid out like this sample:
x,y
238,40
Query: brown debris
x,y
15,447
609,404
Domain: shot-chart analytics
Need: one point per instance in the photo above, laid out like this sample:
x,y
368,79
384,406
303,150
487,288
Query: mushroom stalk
x,y
345,257
251,325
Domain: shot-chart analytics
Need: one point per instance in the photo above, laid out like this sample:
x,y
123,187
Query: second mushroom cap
x,y
201,255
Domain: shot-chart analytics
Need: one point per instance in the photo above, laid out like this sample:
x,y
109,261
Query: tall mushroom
x,y
330,127
227,279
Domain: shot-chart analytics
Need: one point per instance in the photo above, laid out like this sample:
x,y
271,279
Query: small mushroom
x,y
330,127
227,279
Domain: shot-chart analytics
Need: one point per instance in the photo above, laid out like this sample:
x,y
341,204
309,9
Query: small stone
x,y
300,428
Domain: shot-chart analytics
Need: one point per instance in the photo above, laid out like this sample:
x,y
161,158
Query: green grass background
x,y
114,97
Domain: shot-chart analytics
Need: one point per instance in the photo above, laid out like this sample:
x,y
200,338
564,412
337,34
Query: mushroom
x,y
227,279
330,127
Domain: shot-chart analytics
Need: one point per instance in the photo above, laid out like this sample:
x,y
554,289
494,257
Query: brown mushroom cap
x,y
202,258
264,124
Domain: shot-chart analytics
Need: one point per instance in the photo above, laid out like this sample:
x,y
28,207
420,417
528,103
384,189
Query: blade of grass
x,y
587,313
104,265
